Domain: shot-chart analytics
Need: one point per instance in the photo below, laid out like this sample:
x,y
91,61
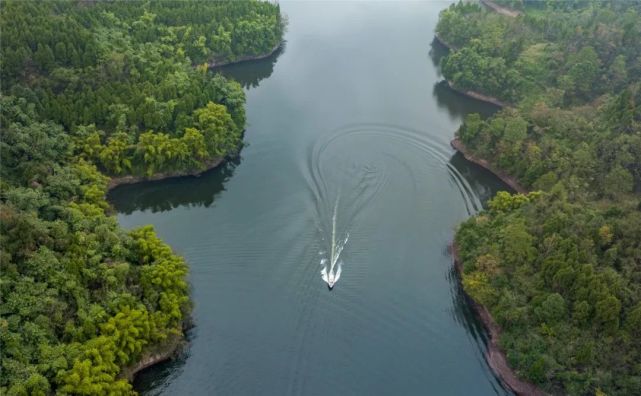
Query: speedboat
x,y
331,280
330,276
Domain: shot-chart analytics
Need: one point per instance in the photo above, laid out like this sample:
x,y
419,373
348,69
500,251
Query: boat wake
x,y
349,168
332,265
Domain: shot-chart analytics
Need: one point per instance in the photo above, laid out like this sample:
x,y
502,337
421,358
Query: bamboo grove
x,y
93,90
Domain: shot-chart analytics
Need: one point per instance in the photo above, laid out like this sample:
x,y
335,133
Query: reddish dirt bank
x,y
129,179
495,356
507,179
500,9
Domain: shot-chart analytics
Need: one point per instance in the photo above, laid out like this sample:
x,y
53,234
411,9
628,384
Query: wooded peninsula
x,y
558,268
94,90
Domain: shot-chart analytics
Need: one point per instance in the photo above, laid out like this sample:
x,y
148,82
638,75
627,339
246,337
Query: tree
x,y
478,286
470,128
585,68
196,146
552,309
607,312
633,320
218,129
115,156
29,149
618,74
618,181
44,57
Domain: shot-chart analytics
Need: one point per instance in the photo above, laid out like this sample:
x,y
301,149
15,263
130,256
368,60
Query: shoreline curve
x,y
209,164
131,179
444,43
506,178
170,348
161,353
495,357
214,64
479,96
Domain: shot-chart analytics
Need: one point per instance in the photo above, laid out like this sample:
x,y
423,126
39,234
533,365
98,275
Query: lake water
x,y
347,141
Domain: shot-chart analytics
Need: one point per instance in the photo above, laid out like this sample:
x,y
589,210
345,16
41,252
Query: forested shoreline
x,y
559,269
94,90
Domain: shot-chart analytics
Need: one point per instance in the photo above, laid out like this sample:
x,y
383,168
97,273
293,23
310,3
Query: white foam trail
x,y
333,256
324,275
331,275
338,272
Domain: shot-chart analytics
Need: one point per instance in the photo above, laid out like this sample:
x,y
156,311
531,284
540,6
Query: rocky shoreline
x,y
130,179
479,96
159,354
213,63
443,42
507,179
495,356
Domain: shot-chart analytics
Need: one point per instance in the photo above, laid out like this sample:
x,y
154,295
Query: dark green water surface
x,y
349,115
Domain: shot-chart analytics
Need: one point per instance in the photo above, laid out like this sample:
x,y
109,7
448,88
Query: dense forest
x,y
570,52
558,268
93,90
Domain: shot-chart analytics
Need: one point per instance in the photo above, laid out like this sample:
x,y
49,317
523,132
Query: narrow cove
x,y
330,115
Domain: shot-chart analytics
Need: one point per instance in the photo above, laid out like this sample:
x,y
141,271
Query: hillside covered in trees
x,y
92,90
560,268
